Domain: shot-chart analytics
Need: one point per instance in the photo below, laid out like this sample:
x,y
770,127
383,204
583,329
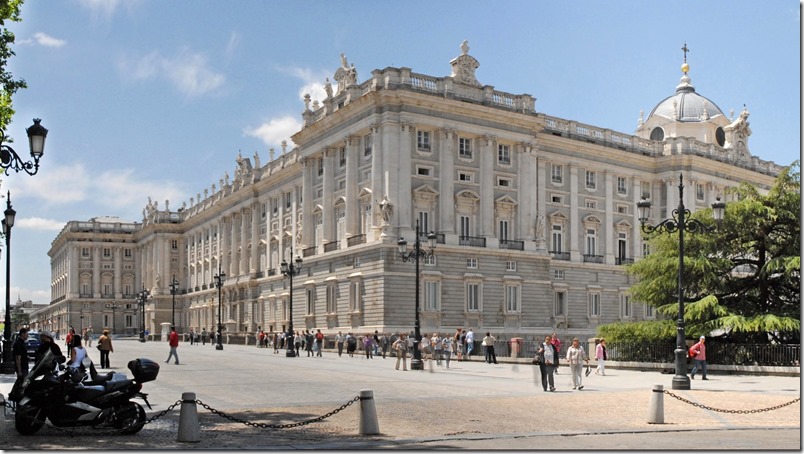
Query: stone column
x,y
486,180
636,232
118,276
404,195
223,251
446,181
96,256
328,214
255,237
575,224
526,176
352,177
672,197
609,231
244,241
308,235
74,285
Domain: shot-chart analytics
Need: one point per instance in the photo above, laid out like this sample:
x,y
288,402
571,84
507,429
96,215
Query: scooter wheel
x,y
28,419
129,418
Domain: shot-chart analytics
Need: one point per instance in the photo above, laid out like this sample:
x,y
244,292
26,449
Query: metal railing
x,y
332,246
716,353
622,261
474,241
306,252
512,244
560,255
355,240
593,258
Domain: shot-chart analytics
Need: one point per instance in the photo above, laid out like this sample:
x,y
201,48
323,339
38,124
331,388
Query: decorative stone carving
x,y
464,66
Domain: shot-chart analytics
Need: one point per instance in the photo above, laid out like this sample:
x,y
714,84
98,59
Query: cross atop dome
x,y
685,67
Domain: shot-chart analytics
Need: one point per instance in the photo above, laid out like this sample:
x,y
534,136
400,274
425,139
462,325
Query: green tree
x,y
741,282
9,11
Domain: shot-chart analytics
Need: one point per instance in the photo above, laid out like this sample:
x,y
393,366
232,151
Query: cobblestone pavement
x,y
472,405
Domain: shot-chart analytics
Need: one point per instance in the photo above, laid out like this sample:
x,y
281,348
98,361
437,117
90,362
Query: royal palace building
x,y
534,217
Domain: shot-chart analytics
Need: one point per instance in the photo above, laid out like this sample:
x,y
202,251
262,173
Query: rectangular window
x,y
465,177
625,306
622,246
473,297
557,199
107,252
310,298
471,263
557,173
320,166
622,209
332,298
423,171
127,252
645,189
645,249
558,238
174,244
504,154
465,230
504,182
423,140
367,143
430,260
591,179
594,304
510,265
85,252
560,303
465,147
699,191
649,311
342,157
288,199
591,204
355,296
591,242
622,185
431,294
512,298
558,275
502,234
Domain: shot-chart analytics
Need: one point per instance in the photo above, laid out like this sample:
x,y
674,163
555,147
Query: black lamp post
x,y
219,278
289,270
8,222
417,254
113,307
680,223
174,287
142,297
9,159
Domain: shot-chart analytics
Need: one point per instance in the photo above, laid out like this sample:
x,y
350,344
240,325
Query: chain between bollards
x,y
706,407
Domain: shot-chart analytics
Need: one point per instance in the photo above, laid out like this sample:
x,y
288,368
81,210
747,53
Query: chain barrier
x,y
705,407
278,426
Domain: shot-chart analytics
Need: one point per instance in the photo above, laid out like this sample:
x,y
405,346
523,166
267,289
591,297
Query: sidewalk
x,y
473,405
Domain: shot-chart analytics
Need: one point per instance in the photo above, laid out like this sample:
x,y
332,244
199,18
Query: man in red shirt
x,y
173,340
698,353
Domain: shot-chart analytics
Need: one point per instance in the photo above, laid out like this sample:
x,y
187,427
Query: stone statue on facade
x,y
345,75
386,210
256,160
328,88
539,226
464,66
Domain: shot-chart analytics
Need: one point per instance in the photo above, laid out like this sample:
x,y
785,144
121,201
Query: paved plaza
x,y
472,405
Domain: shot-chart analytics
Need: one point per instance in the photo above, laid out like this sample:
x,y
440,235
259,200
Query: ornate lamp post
x,y
113,307
219,278
142,297
416,255
9,159
174,287
8,222
289,270
680,223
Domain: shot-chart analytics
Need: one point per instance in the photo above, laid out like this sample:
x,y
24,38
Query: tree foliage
x,y
9,12
741,282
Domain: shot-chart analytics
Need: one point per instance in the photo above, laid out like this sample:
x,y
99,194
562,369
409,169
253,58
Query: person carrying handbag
x,y
547,356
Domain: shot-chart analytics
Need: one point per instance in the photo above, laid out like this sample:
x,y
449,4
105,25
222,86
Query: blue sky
x,y
156,98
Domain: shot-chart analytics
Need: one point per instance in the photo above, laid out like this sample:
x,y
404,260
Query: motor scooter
x,y
66,399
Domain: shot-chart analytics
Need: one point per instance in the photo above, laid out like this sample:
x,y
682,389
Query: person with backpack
x,y
319,343
698,353
351,344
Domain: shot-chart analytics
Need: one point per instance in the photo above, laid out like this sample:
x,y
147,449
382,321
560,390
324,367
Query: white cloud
x,y
313,83
234,41
43,39
188,72
119,191
40,224
275,130
105,9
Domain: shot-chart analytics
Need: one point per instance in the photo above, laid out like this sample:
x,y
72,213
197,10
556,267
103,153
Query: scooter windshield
x,y
40,368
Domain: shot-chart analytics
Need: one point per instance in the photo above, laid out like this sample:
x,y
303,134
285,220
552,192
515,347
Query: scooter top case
x,y
144,369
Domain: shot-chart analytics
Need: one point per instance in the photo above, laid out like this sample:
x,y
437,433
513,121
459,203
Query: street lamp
x,y
9,159
289,270
113,307
417,254
174,287
142,297
7,223
680,223
219,278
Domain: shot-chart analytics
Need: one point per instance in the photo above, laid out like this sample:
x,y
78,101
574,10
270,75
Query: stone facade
x,y
534,217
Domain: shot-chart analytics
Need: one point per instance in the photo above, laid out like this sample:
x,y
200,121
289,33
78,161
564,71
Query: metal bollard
x,y
656,407
189,428
368,414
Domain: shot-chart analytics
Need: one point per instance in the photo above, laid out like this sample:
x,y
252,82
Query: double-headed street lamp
x,y
680,222
289,270
174,287
142,297
417,254
219,278
113,307
9,159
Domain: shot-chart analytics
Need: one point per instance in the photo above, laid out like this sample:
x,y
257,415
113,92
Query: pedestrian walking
x,y
192,336
339,339
385,341
105,346
173,341
261,339
309,341
458,344
319,343
575,358
20,354
446,349
90,336
368,345
376,343
401,347
275,341
424,346
204,336
600,356
212,337
351,344
698,352
488,348
438,348
557,344
470,342
548,356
